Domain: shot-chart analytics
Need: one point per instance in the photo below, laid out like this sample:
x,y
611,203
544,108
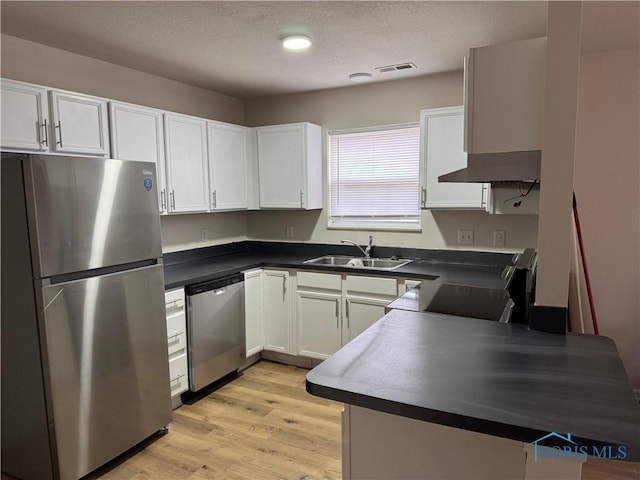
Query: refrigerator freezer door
x,y
107,362
91,212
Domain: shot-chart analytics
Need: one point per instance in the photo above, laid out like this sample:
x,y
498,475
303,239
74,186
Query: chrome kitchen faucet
x,y
366,252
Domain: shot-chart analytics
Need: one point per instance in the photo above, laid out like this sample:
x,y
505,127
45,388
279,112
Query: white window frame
x,y
409,223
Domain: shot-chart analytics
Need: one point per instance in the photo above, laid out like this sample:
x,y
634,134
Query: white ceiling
x,y
234,47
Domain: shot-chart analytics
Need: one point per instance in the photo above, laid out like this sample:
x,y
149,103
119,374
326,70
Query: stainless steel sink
x,y
359,262
338,261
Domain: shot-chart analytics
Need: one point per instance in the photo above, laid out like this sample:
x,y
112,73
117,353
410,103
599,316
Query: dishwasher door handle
x,y
220,291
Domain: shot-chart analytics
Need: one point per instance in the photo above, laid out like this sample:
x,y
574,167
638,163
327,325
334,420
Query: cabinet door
x,y
361,313
24,117
253,318
228,163
277,311
318,323
281,163
504,96
187,172
441,149
136,134
79,124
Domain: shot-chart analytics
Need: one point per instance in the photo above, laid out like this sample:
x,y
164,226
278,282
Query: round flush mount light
x,y
360,77
296,42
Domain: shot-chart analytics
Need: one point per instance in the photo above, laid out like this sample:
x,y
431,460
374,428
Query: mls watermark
x,y
566,448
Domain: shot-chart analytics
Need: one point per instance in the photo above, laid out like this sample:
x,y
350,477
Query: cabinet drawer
x,y
372,285
177,343
174,298
328,281
178,378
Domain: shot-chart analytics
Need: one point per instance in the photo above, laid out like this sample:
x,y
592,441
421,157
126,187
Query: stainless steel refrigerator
x,y
85,371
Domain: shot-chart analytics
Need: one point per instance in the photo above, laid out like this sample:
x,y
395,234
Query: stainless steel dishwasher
x,y
215,329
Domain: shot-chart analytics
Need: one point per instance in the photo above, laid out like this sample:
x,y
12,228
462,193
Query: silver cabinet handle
x,y
214,199
337,313
175,335
45,142
284,286
423,196
178,377
301,195
483,200
347,305
172,196
59,127
163,200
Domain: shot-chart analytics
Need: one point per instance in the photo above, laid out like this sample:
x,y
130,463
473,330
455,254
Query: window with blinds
x,y
374,177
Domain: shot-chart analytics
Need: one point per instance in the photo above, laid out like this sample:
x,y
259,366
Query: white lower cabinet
x,y
277,311
318,313
177,342
323,312
361,313
365,299
253,312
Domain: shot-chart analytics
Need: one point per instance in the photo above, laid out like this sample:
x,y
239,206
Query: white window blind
x,y
374,177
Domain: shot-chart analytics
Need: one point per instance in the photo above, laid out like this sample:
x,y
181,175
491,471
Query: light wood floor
x,y
262,425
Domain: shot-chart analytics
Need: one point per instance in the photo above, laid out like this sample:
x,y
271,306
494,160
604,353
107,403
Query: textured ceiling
x,y
234,47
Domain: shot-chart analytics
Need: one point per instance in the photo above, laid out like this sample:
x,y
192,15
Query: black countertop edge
x,y
463,257
497,429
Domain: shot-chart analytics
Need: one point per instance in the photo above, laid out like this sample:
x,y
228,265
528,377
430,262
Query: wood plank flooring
x,y
262,425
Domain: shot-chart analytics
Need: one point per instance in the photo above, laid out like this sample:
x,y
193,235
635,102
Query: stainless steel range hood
x,y
498,167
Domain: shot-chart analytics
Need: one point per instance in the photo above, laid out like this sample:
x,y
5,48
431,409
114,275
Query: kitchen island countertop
x,y
488,377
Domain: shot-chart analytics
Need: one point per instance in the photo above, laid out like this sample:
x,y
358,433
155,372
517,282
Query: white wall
x,y
607,185
36,63
397,101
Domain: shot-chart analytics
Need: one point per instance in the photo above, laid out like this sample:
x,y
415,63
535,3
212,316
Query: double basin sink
x,y
358,262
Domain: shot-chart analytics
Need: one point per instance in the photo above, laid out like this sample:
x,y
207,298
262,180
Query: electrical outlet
x,y
203,234
499,238
465,237
289,231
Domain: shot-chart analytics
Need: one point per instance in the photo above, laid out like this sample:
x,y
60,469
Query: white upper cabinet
x,y
441,151
290,166
25,117
228,165
504,97
79,124
137,134
187,164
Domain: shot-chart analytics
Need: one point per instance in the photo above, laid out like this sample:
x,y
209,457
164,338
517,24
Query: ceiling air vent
x,y
397,67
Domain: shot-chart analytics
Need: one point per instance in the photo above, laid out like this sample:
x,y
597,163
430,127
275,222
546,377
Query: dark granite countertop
x,y
488,377
480,269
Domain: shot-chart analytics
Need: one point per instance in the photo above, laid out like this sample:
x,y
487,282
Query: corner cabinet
x,y
290,166
69,123
441,151
187,164
228,165
504,97
137,134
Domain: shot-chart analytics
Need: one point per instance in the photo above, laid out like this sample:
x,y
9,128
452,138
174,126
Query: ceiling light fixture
x,y
296,42
360,77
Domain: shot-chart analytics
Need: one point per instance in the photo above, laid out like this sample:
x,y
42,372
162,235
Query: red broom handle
x,y
584,265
